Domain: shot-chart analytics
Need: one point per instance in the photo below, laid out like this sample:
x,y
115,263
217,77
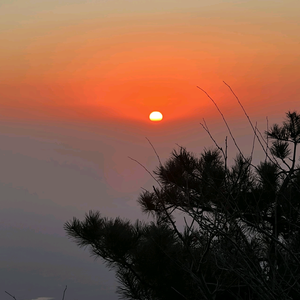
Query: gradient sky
x,y
78,80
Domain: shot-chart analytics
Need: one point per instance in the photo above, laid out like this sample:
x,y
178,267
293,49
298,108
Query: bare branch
x,y
64,292
154,151
223,120
10,295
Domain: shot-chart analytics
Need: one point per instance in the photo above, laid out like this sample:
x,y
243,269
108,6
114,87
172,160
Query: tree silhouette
x,y
241,238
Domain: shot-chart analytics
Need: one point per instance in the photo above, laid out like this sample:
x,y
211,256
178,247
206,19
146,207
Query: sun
x,y
156,116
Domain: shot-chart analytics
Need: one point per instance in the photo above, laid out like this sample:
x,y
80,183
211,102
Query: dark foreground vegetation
x,y
242,226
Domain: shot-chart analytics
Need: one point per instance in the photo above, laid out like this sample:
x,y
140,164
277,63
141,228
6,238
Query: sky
x,y
78,80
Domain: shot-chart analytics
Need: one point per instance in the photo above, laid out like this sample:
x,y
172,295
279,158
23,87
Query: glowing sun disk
x,y
156,116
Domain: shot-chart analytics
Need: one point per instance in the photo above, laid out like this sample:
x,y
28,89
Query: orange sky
x,y
120,60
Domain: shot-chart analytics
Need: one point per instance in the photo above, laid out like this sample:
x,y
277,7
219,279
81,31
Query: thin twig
x,y
226,150
253,144
10,295
223,120
64,293
146,170
241,105
181,147
205,127
267,139
178,292
154,151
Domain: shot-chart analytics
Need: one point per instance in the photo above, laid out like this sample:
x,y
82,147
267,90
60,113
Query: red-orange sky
x,y
122,59
78,80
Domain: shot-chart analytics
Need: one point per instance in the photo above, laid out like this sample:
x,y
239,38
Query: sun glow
x,y
156,116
